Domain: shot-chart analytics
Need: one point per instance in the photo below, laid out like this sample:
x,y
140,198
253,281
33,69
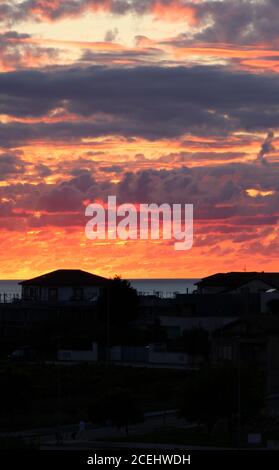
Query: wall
x,y
132,355
265,298
167,358
273,365
252,287
210,289
79,356
66,294
188,323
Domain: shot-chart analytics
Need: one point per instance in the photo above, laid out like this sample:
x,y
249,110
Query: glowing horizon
x,y
170,101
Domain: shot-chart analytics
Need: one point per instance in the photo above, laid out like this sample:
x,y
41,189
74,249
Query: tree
x,y
213,394
196,342
15,390
120,301
118,406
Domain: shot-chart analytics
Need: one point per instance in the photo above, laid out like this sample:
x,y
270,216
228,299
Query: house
x,y
253,340
190,311
63,285
238,283
174,326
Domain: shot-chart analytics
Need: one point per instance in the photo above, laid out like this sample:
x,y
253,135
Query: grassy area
x,y
17,444
39,395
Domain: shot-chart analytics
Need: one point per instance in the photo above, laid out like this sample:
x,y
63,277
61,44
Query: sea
x,y
163,287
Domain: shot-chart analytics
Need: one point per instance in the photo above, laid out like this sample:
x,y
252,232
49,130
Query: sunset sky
x,y
163,101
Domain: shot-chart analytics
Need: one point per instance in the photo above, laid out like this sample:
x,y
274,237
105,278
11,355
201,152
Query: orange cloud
x,y
36,251
175,11
97,45
261,64
47,10
225,51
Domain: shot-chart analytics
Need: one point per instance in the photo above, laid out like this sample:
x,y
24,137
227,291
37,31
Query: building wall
x,y
210,289
273,365
252,287
188,323
116,353
166,357
132,355
267,297
79,356
64,294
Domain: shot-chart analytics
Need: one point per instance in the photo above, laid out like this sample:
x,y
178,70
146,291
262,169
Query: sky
x,y
154,101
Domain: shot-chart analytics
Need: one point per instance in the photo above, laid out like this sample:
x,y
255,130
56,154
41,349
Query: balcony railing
x,y
9,297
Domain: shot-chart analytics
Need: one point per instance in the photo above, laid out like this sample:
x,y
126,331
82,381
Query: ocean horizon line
x,y
128,278
146,285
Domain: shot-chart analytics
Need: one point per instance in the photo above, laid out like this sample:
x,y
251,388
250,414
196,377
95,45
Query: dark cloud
x,y
61,199
266,147
223,210
41,10
112,169
238,21
149,102
6,11
5,209
42,170
16,52
126,57
11,165
111,35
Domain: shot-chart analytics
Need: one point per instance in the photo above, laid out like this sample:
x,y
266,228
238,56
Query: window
x,y
30,293
66,355
34,292
52,293
25,293
227,353
78,293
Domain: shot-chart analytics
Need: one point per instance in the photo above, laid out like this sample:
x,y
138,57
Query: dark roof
x,y
233,280
66,277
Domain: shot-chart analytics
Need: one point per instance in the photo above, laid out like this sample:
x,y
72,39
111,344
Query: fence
x,y
9,297
160,294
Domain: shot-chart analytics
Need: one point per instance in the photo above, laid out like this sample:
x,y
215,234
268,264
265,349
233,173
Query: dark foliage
x,y
214,392
119,406
118,302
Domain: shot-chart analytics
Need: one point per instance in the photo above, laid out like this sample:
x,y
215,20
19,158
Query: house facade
x,y
63,285
251,340
238,283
